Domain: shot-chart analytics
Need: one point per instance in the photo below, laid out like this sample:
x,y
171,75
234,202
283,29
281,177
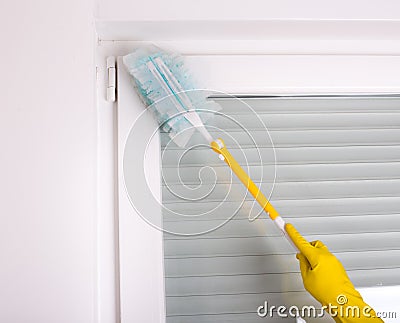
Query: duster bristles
x,y
163,98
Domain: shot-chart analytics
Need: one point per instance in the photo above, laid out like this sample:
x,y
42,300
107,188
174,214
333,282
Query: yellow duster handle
x,y
219,147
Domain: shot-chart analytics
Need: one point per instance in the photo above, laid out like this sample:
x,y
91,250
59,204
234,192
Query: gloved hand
x,y
325,278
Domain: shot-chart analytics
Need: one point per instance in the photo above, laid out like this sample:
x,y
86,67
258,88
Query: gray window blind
x,y
337,180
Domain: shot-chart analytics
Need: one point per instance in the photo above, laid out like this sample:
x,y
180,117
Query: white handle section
x,y
280,223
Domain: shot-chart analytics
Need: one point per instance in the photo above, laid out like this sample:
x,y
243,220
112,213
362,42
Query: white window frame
x,y
281,66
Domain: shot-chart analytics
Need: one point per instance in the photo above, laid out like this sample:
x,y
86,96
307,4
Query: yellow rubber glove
x,y
325,278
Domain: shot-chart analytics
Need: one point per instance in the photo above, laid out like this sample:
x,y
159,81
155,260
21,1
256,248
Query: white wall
x,y
248,10
47,163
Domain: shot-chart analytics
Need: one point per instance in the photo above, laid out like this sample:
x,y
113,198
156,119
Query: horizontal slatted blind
x,y
337,180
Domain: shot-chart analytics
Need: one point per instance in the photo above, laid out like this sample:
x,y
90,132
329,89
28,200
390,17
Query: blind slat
x,y
300,138
289,208
239,265
313,121
273,245
292,156
287,190
287,173
268,283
